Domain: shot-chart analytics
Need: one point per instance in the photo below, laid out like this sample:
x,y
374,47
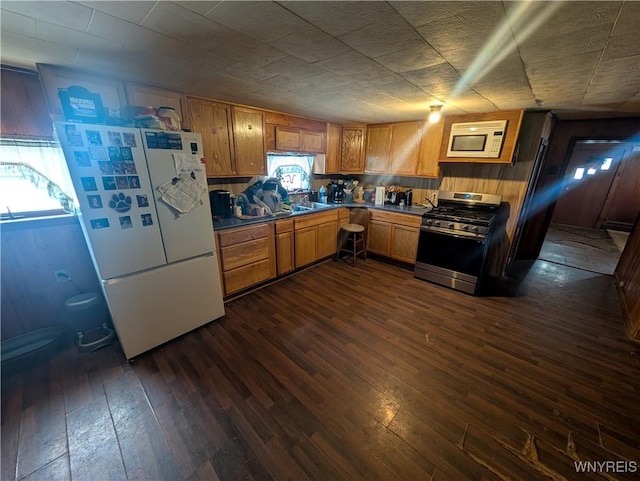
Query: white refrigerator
x,y
146,217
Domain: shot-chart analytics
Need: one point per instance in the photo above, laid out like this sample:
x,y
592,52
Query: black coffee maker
x,y
220,203
338,196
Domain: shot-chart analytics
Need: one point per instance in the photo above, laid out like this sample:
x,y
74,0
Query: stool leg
x,y
355,244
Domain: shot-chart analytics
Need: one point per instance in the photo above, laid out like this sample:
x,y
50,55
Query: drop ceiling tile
x,y
351,63
16,48
428,78
574,17
564,45
19,24
292,67
310,44
340,18
622,45
629,19
247,71
131,36
201,7
133,12
411,58
71,38
65,14
265,21
389,35
434,12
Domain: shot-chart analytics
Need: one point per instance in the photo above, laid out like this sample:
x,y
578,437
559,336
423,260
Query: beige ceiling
x,y
349,61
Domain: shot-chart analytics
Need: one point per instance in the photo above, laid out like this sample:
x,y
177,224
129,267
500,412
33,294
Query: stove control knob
x,y
428,222
450,225
436,222
474,228
465,227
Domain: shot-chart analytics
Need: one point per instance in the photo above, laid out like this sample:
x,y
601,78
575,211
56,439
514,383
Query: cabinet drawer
x,y
284,226
246,276
310,220
245,253
242,234
400,219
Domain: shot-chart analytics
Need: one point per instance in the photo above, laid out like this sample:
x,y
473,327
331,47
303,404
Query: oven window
x,y
469,143
449,252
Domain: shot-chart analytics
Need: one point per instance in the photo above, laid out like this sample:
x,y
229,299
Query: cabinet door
x,y
312,141
404,243
249,141
405,147
327,239
430,150
284,253
379,238
377,160
211,120
334,142
305,246
352,150
156,97
287,139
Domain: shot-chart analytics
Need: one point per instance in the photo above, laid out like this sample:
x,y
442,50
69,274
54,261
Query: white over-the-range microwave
x,y
477,139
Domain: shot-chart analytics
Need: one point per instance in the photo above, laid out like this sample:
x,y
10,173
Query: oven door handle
x,y
459,235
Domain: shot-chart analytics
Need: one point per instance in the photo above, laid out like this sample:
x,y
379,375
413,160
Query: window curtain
x,y
46,157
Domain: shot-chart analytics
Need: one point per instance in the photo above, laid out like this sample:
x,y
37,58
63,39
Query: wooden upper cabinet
x,y
296,140
334,142
288,139
212,120
377,160
430,150
24,108
352,161
405,147
312,141
249,141
156,97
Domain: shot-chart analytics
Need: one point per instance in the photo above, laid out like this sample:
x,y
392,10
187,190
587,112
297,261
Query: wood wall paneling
x,y
31,297
628,276
623,202
24,107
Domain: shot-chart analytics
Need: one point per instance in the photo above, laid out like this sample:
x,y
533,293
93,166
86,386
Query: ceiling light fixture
x,y
435,114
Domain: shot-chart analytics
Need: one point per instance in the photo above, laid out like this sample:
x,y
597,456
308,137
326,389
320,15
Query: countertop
x,y
222,224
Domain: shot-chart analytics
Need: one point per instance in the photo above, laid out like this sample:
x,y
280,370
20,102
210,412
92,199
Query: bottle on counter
x,y
324,198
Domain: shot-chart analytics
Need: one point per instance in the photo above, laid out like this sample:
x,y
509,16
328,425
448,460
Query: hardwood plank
x,y
94,452
42,422
144,450
56,470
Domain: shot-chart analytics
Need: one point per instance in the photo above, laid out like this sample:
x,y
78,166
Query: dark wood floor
x,y
584,248
348,374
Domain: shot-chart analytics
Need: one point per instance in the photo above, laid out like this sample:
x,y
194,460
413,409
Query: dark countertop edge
x,y
223,224
38,222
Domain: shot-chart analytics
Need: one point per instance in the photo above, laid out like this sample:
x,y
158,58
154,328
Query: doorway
x,y
598,202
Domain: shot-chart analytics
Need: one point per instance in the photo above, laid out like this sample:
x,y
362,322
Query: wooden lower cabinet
x,y
394,235
246,256
315,237
285,261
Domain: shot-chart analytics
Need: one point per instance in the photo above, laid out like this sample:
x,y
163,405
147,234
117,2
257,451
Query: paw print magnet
x,y
120,202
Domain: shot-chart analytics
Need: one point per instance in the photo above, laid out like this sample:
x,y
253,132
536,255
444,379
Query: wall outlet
x,y
61,276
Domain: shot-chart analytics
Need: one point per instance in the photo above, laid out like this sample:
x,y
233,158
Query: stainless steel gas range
x,y
454,240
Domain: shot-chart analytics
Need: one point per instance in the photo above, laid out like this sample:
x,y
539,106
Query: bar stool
x,y
88,316
354,243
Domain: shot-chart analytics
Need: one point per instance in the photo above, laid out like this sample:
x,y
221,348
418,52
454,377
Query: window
x,y
34,179
293,171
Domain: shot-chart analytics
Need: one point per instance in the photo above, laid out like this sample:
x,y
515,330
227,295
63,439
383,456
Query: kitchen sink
x,y
309,206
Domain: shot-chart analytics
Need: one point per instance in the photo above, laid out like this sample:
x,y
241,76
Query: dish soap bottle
x,y
323,195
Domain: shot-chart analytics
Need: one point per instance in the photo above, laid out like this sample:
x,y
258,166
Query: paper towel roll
x,y
380,195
